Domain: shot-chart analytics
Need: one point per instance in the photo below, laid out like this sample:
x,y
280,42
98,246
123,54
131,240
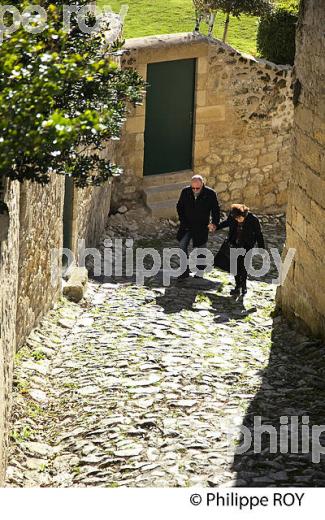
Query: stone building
x,y
209,110
302,297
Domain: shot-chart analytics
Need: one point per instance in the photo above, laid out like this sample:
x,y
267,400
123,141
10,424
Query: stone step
x,y
164,193
167,178
166,209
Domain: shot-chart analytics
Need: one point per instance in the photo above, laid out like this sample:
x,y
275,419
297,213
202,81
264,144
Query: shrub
x,y
62,95
276,34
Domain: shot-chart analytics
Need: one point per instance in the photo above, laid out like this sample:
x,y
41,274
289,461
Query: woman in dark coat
x,y
244,232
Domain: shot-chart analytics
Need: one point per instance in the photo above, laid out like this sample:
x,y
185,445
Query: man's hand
x,y
212,228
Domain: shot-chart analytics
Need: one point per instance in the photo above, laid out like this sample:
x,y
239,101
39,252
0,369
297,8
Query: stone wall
x,y
8,308
303,295
41,229
242,122
30,277
41,232
244,119
93,207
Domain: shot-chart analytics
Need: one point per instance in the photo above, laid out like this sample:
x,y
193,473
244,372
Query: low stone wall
x,y
41,229
8,309
243,117
30,277
303,295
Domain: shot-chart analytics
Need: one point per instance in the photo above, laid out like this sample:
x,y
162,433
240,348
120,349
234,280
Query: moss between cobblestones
x,y
218,371
22,435
23,386
21,355
34,410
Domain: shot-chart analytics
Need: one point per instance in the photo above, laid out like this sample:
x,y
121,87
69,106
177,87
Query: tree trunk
x,y
225,32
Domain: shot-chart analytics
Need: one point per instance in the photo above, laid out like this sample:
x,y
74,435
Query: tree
x,y
276,34
61,94
234,8
239,7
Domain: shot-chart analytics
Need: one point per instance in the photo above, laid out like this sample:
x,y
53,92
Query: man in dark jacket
x,y
244,232
199,213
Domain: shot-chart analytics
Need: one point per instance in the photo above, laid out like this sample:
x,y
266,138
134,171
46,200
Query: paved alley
x,y
148,386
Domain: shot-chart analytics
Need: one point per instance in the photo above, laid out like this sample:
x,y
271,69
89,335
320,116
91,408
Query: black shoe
x,y
244,289
184,275
235,291
197,276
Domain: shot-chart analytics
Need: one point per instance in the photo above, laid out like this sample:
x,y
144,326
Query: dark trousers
x,y
241,276
184,244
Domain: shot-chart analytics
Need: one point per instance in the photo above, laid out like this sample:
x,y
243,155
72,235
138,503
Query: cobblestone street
x,y
141,385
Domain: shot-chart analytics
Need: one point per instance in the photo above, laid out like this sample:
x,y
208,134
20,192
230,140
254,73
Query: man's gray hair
x,y
198,178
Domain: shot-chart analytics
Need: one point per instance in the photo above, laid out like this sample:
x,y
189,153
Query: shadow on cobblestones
x,y
222,307
292,386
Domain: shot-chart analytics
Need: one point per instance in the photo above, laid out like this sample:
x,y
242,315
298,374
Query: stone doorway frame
x,y
140,52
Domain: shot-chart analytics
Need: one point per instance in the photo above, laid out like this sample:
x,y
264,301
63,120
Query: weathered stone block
x,y
201,98
237,184
281,199
269,200
202,65
201,81
267,159
214,159
308,151
75,288
302,201
135,125
236,196
211,113
319,129
300,224
304,118
317,215
249,162
220,187
199,132
202,149
251,191
315,241
140,110
316,188
205,171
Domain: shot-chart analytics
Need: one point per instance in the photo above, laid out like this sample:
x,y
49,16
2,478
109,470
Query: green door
x,y
169,117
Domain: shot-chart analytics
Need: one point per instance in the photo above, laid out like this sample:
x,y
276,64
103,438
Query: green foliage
x,y
23,386
61,94
37,355
34,410
22,435
277,33
239,7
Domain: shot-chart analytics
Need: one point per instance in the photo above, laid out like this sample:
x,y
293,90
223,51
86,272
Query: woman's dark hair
x,y
238,210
